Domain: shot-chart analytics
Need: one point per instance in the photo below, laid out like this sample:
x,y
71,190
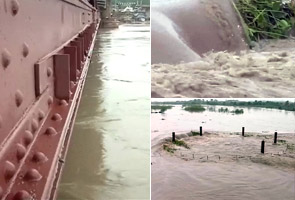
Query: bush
x,y
194,108
266,18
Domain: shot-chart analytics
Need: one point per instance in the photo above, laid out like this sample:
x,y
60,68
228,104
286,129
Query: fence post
x,y
173,136
262,146
200,130
276,137
243,131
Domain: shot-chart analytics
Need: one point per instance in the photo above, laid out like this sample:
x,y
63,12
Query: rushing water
x,y
109,154
259,120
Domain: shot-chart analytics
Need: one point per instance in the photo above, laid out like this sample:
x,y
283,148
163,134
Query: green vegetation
x,y
181,143
266,18
238,111
168,149
194,108
223,110
281,105
195,133
282,141
161,108
291,147
226,110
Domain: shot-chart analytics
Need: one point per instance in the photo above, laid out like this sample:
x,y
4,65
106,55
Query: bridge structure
x,y
45,51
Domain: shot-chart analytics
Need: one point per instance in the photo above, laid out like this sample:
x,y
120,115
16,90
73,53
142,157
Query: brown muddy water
x,y
221,164
109,154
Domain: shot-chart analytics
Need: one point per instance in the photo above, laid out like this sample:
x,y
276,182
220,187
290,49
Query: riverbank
x,y
267,72
224,166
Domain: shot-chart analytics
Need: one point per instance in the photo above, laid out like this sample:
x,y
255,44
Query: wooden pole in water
x,y
276,137
243,131
173,136
262,146
200,130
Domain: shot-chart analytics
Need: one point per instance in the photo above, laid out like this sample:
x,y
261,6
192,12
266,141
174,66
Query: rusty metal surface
x,y
45,47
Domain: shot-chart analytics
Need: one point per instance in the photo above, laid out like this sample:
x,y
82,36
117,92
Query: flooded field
x,y
107,158
221,164
255,120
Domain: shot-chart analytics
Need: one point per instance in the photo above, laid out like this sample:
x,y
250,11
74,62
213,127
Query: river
x,y
258,120
109,154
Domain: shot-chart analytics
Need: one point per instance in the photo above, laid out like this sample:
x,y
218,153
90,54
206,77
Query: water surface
x,y
258,120
109,154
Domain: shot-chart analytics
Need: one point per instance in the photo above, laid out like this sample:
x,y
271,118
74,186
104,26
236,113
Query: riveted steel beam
x,y
45,48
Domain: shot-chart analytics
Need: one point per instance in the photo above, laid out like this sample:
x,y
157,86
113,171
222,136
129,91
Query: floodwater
x,y
258,120
221,165
109,154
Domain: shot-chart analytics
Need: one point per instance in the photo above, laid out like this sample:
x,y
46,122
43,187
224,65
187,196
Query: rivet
x,y
49,71
28,137
18,98
9,170
25,49
39,157
56,117
14,7
1,121
72,84
32,175
20,151
35,125
63,103
50,131
1,192
6,58
50,100
41,115
22,195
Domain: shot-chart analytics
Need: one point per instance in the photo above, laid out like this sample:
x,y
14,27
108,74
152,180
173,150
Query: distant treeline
x,y
283,105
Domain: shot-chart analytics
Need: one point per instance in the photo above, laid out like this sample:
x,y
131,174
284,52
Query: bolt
x,y
32,175
50,100
41,115
9,170
1,192
1,122
35,125
25,49
63,103
56,117
49,71
18,98
72,84
39,157
50,131
22,195
6,58
20,151
28,137
14,7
